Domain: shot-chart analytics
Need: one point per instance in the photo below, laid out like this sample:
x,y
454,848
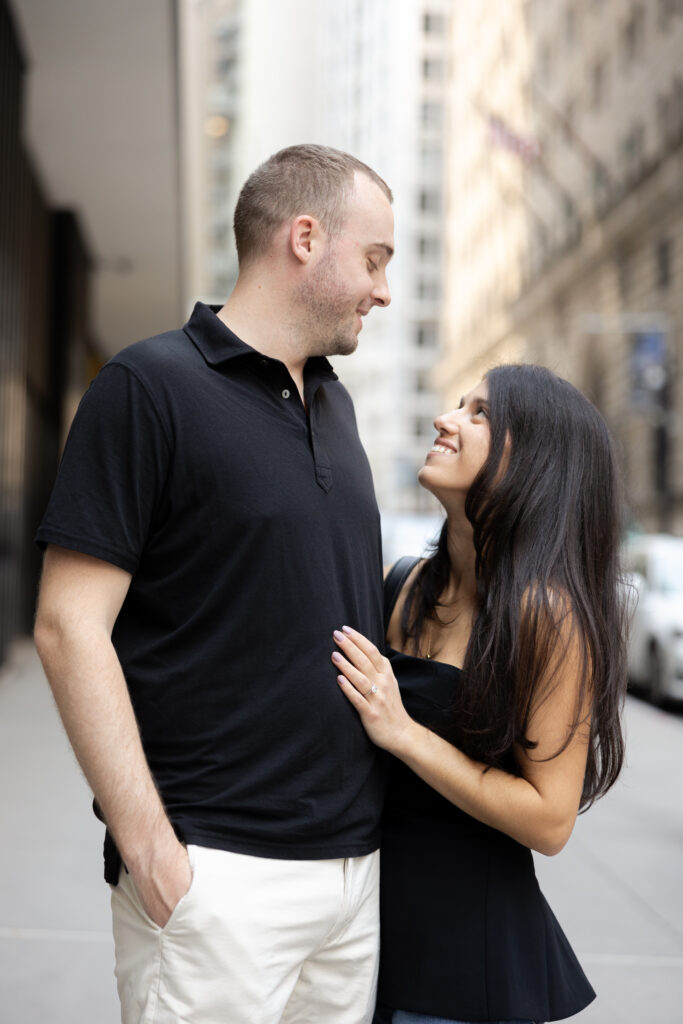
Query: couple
x,y
211,623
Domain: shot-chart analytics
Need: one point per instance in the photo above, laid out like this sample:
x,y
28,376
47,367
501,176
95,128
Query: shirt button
x,y
286,393
264,362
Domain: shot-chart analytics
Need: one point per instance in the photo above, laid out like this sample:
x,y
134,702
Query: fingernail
x,y
338,636
336,656
347,629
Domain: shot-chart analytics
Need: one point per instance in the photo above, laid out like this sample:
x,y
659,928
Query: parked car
x,y
655,655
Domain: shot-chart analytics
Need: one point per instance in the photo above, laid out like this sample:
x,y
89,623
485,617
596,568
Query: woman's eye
x,y
371,265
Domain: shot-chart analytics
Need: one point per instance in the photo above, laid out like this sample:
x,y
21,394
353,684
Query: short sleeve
x,y
112,473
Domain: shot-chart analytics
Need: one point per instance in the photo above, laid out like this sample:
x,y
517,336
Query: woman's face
x,y
461,448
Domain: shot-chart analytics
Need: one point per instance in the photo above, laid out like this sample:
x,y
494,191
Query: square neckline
x,y
428,661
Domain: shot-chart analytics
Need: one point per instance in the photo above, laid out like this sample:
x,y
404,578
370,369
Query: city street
x,y
617,888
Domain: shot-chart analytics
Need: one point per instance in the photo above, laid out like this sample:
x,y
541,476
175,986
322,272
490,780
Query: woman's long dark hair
x,y
546,514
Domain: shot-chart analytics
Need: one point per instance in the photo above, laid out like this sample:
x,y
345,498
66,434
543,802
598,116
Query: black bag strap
x,y
393,582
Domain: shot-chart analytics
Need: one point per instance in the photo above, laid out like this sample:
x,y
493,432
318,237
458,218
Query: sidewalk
x,y
617,888
56,952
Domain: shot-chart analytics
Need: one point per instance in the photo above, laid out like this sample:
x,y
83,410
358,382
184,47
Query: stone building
x,y
565,222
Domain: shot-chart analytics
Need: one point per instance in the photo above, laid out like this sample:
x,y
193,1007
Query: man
x,y
212,523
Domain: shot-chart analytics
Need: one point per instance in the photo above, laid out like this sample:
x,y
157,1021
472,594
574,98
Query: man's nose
x,y
381,295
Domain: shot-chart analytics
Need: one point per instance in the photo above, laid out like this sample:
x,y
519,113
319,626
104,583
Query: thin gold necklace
x,y
429,633
428,628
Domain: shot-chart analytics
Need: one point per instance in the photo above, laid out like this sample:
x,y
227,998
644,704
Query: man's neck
x,y
253,313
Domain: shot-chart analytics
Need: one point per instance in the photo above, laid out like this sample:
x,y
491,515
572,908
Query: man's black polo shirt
x,y
251,532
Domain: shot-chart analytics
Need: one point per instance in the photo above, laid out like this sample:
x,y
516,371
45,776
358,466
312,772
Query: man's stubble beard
x,y
327,312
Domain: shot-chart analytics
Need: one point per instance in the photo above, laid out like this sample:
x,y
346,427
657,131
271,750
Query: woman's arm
x,y
538,808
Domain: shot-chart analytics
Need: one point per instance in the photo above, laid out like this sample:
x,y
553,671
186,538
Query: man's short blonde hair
x,y
296,180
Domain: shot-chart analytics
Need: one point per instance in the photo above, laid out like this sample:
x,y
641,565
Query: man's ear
x,y
304,234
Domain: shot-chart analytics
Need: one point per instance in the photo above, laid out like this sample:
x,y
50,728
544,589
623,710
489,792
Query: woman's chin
x,y
426,480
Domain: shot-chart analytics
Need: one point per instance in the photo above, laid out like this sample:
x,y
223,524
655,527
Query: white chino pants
x,y
254,941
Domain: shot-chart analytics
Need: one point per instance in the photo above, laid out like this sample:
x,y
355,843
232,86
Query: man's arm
x,y
80,598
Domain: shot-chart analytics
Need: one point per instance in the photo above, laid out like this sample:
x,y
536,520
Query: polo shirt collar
x,y
218,344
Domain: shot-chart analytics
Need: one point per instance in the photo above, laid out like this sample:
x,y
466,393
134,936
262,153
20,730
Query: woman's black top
x,y
466,931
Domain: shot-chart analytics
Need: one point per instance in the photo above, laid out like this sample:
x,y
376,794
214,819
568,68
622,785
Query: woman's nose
x,y
446,422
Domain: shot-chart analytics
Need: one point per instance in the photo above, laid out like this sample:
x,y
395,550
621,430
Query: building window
x,y
633,36
433,69
670,113
427,335
598,83
544,62
431,114
423,427
668,10
571,25
428,289
663,254
624,275
633,151
429,246
431,156
429,200
423,381
434,24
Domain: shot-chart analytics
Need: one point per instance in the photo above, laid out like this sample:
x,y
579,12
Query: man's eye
x,y
371,265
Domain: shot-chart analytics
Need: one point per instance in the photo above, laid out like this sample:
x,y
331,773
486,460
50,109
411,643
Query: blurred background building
x,y
565,216
247,89
535,152
89,232
366,76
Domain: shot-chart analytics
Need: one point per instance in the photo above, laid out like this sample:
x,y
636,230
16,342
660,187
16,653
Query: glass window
x,y
633,35
431,156
545,61
434,23
429,246
599,83
429,200
571,24
427,335
433,69
667,11
423,381
423,427
432,114
428,288
663,252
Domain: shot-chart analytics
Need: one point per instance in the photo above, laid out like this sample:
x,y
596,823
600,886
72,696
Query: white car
x,y
655,654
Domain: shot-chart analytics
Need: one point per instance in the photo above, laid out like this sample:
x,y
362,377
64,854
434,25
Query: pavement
x,y
617,888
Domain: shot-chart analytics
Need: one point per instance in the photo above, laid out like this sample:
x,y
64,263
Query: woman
x,y
500,700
